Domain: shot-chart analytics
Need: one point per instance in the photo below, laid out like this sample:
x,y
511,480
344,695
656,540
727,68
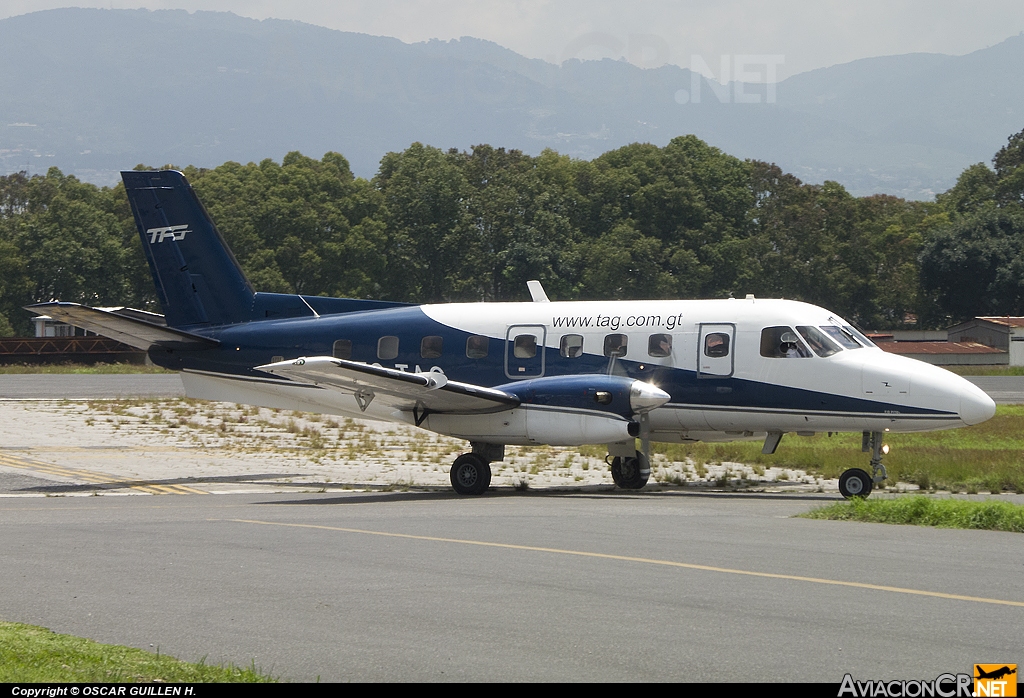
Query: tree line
x,y
681,221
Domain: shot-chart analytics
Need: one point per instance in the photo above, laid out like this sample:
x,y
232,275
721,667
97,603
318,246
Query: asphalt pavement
x,y
512,586
1002,389
515,586
86,386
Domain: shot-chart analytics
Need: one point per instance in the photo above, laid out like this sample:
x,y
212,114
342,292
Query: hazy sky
x,y
807,34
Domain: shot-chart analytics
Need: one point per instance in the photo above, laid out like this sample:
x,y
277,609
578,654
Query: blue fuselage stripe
x,y
255,343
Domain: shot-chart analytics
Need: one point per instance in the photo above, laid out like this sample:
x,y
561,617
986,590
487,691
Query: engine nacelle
x,y
559,411
625,397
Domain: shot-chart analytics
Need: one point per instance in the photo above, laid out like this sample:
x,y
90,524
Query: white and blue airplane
x,y
543,372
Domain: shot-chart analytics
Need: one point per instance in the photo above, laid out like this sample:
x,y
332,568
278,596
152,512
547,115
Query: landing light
x,y
885,449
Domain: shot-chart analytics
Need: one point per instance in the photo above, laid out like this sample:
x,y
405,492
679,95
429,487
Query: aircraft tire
x,y
626,472
470,474
855,483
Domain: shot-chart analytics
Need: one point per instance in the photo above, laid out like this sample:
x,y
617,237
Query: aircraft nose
x,y
975,405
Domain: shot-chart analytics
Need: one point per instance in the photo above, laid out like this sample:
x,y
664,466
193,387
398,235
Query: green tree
x,y
975,265
519,223
1009,165
975,189
426,223
691,198
302,226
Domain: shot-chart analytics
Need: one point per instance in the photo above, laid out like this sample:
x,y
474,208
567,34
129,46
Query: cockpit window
x,y
781,342
822,345
845,339
859,335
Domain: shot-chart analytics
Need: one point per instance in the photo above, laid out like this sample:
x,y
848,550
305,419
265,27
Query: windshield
x,y
845,339
819,343
782,343
859,335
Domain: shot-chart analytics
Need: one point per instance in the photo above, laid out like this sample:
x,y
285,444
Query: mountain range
x,y
94,91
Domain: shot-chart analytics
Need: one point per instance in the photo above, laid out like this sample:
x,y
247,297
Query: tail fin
x,y
198,280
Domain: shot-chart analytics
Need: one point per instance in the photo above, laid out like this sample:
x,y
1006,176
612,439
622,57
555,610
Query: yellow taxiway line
x,y
92,477
648,561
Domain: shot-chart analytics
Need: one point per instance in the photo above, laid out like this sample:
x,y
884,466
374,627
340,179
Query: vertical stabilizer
x,y
198,280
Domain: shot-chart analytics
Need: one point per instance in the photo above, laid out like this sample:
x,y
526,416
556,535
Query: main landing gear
x,y
856,482
471,472
631,472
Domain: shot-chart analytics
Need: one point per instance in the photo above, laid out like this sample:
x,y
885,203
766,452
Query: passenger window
x,y
476,347
342,349
571,346
659,345
525,346
275,359
716,345
430,347
782,342
822,345
615,345
387,348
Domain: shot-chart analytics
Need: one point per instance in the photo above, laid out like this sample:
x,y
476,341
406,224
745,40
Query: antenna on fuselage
x,y
537,292
315,314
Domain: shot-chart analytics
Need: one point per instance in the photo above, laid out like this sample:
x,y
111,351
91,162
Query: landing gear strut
x,y
857,483
631,473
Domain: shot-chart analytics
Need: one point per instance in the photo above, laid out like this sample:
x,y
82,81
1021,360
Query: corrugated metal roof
x,y
1007,320
938,348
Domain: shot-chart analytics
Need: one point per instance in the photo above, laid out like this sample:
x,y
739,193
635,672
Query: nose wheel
x,y
857,483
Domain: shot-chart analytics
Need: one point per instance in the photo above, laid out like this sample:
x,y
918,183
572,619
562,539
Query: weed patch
x,y
919,510
988,457
37,655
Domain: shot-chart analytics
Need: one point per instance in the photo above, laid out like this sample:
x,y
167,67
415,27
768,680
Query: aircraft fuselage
x,y
740,393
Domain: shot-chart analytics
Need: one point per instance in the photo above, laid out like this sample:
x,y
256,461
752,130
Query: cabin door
x,y
524,351
715,352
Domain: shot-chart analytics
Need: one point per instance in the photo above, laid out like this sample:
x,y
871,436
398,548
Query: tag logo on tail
x,y
173,232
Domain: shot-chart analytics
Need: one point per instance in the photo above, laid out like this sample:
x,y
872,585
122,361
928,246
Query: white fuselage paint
x,y
904,385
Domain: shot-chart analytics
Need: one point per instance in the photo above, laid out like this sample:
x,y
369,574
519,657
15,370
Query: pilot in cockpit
x,y
788,346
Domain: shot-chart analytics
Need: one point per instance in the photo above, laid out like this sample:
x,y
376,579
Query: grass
x,y
32,654
81,368
985,458
988,457
919,510
986,370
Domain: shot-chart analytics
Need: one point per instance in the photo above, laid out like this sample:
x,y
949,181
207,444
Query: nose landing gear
x,y
857,483
631,473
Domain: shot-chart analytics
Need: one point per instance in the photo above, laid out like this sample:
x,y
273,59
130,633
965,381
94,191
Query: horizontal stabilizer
x,y
419,393
126,329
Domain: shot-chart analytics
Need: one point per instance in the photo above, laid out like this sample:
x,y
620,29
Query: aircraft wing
x,y
129,330
419,393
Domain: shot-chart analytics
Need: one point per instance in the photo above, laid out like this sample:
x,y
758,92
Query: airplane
x,y
526,373
995,674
